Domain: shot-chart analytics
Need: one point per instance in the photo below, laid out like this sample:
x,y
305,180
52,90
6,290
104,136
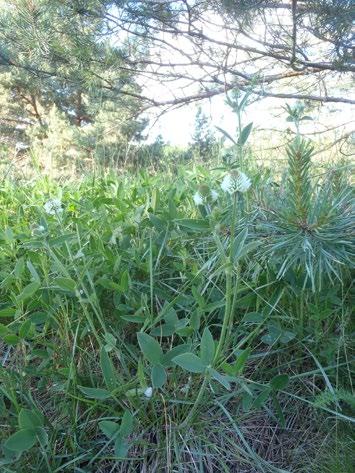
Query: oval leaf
x,y
30,419
108,370
28,291
65,284
109,428
22,440
207,347
159,376
150,348
95,393
190,362
279,382
243,138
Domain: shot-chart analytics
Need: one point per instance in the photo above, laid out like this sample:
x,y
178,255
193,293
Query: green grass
x,y
236,312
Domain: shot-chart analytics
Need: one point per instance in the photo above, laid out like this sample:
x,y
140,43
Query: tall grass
x,y
143,332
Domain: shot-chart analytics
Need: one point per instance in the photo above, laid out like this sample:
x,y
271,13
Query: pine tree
x,y
203,139
51,55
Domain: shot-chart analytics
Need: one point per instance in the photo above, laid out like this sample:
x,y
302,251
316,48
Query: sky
x,y
177,126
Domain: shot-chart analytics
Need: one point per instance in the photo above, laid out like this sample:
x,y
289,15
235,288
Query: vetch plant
x,y
202,364
31,431
158,360
179,324
119,433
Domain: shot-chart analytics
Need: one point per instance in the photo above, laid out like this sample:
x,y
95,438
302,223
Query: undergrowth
x,y
150,324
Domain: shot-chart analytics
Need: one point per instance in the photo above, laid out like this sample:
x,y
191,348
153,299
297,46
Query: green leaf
x,y
95,393
253,318
121,447
28,419
27,329
65,284
33,271
19,268
241,360
42,436
244,135
150,348
171,317
109,428
193,224
190,362
11,339
195,319
238,244
58,241
247,401
278,410
273,335
9,234
178,350
137,319
159,376
172,207
155,199
39,318
8,312
261,398
207,347
113,430
110,341
125,282
287,336
126,427
223,380
108,284
22,440
227,135
249,247
165,330
109,373
4,331
279,382
28,291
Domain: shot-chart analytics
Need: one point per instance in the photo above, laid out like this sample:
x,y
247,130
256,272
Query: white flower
x,y
214,195
198,199
235,181
227,183
79,293
38,230
148,392
21,146
53,207
116,233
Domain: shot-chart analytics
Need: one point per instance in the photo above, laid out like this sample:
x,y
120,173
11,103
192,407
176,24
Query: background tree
x,y
104,55
218,45
203,140
55,62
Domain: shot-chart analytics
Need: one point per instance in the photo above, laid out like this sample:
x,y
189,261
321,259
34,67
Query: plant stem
x,y
227,310
232,310
192,413
229,285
